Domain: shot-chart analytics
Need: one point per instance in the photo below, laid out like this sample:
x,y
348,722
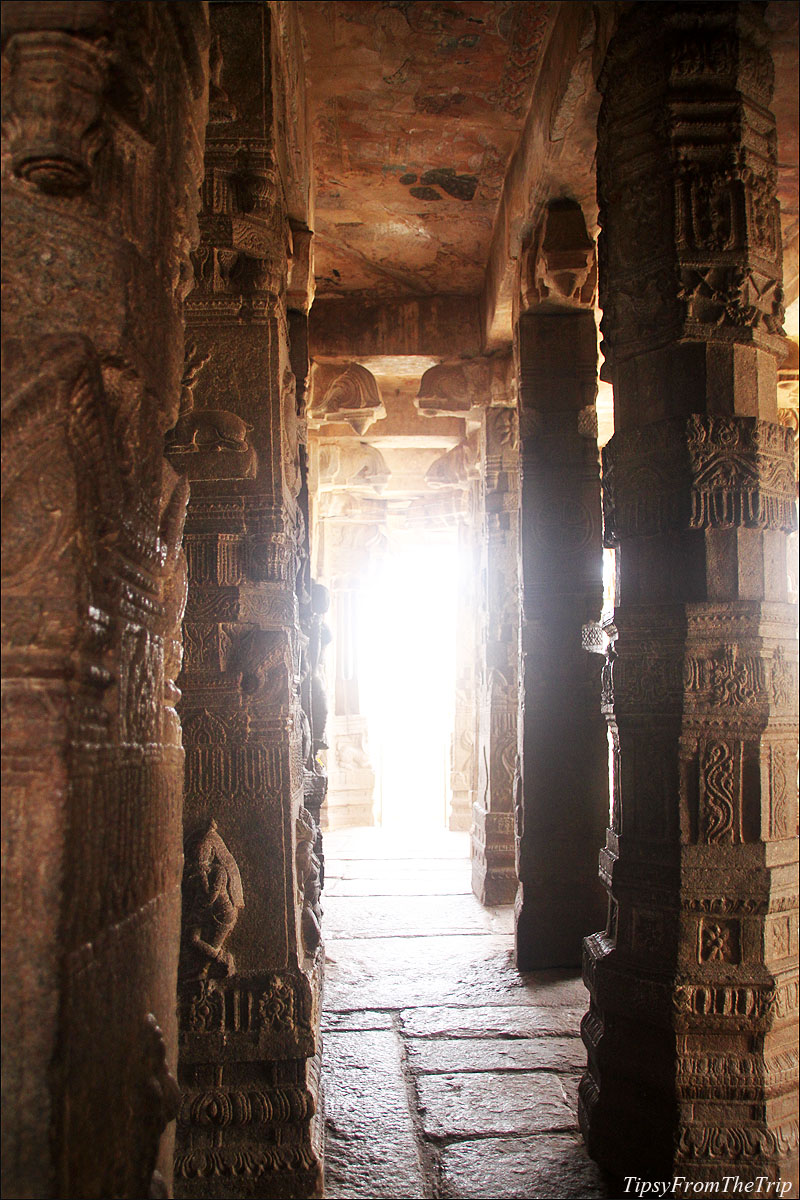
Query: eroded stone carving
x,y
209,443
161,1102
707,472
212,901
445,389
560,266
455,468
352,397
55,96
308,881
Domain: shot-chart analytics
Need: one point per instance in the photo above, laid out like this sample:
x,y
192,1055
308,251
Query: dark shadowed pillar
x,y
562,812
692,1032
104,110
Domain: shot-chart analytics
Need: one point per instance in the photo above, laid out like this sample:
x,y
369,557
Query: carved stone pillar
x,y
104,111
251,959
494,877
563,810
692,1032
351,796
463,763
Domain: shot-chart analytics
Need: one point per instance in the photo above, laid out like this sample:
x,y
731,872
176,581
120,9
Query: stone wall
x,y
104,116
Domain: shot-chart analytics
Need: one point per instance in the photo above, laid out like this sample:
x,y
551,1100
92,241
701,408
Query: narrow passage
x,y
447,1074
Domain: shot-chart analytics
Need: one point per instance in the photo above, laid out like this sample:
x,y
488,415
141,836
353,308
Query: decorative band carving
x,y
248,1162
707,472
219,1107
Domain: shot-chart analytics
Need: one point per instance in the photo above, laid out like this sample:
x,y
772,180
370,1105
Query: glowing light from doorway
x,y
407,656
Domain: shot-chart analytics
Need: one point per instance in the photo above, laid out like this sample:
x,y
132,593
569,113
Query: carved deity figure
x,y
212,899
309,881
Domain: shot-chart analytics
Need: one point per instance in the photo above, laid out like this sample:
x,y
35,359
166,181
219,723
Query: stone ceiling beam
x,y
432,326
555,155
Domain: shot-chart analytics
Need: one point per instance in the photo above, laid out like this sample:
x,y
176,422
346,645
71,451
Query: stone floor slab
x,y
413,916
443,1055
389,844
403,972
415,883
370,1146
342,1022
491,1021
482,1104
538,1168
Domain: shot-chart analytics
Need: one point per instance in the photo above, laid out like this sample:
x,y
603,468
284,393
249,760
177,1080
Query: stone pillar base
x,y
494,874
460,818
251,1123
551,918
649,1103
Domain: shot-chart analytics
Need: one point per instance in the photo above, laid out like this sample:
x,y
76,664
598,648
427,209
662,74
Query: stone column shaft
x,y
251,962
494,879
104,112
463,773
564,795
692,1031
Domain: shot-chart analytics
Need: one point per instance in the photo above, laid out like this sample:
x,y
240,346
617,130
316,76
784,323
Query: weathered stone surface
x,y
343,1022
251,956
437,1055
104,110
396,972
526,1020
387,78
537,1167
442,881
415,916
485,1103
370,1146
693,996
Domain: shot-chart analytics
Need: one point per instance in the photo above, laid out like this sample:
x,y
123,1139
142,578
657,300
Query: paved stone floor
x,y
447,1074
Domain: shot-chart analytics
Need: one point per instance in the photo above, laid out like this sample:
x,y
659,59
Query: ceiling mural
x,y
416,110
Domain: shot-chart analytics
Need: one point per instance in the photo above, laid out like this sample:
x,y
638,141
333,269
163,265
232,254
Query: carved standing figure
x,y
212,899
309,882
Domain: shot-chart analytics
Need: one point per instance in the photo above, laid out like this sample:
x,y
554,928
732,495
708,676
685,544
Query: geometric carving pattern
x,y
702,473
700,499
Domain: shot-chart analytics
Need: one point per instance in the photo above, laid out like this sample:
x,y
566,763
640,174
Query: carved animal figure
x,y
210,430
212,899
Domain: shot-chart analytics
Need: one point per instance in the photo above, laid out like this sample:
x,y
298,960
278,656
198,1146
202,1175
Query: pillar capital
x,y
691,243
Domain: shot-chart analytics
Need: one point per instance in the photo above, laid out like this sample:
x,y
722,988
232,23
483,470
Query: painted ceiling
x,y
416,109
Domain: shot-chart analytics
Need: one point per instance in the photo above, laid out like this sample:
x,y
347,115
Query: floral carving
x,y
719,808
276,1007
719,941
